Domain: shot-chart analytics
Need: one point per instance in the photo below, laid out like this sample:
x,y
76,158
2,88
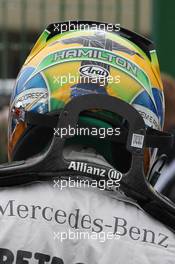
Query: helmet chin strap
x,y
52,163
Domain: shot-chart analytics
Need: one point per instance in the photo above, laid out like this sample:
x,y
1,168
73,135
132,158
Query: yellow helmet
x,y
63,65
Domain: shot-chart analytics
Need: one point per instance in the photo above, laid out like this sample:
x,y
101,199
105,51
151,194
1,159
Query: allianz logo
x,y
94,71
94,170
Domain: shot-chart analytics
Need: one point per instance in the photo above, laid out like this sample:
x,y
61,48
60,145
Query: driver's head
x,y
64,65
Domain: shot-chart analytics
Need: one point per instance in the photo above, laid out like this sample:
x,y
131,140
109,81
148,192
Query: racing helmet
x,y
70,63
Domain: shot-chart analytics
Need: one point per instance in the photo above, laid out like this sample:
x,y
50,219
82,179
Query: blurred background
x,y
22,21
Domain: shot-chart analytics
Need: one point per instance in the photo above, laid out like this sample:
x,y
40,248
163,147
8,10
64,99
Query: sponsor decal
x,y
78,219
149,117
94,71
22,256
32,98
151,109
97,55
94,170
